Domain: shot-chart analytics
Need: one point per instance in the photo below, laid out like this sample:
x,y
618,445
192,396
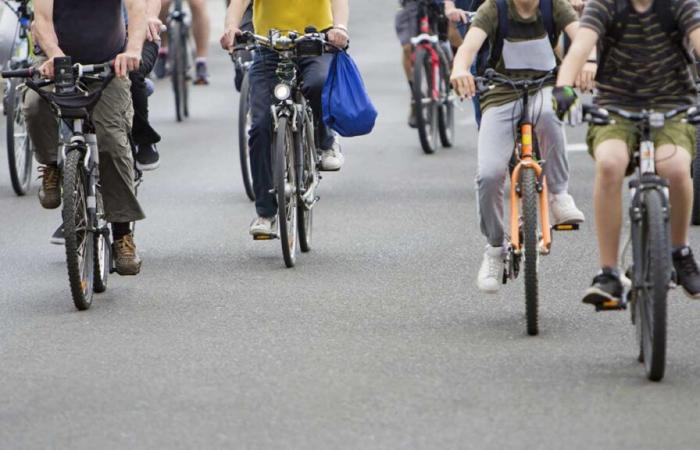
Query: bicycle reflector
x,y
282,92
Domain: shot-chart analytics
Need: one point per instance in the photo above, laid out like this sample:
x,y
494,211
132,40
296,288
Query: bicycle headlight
x,y
282,92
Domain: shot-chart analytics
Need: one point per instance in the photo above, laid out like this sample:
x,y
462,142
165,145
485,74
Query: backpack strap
x,y
501,32
547,11
665,12
613,34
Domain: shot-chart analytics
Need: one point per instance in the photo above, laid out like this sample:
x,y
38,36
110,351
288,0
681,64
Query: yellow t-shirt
x,y
291,15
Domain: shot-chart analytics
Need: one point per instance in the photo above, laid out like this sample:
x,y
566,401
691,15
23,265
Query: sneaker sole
x,y
57,241
147,167
691,296
596,297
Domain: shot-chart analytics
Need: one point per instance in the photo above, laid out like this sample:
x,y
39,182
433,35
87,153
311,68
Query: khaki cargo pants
x,y
112,118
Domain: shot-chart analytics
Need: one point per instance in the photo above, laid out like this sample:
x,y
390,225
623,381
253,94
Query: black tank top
x,y
90,31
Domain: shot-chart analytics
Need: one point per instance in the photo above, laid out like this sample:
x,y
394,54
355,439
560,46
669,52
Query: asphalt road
x,y
377,339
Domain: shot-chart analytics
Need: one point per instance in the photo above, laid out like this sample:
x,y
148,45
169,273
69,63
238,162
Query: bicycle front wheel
x,y
285,187
651,284
426,108
695,217
530,237
19,146
178,69
305,148
243,134
80,239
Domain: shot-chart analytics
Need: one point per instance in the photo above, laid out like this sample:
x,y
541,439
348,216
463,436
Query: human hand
x,y
463,82
154,28
228,39
338,37
127,62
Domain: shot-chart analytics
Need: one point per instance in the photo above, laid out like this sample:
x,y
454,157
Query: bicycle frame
x,y
428,41
527,159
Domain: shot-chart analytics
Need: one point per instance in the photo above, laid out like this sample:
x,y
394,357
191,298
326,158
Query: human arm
x,y
130,58
45,35
585,79
339,34
232,23
155,25
461,78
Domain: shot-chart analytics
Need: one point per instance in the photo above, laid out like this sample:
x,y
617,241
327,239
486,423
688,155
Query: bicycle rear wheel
x,y
80,241
651,285
285,186
19,146
178,70
695,217
530,243
446,111
426,108
243,132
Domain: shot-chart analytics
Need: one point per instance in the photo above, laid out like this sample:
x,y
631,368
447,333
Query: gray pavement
x,y
377,339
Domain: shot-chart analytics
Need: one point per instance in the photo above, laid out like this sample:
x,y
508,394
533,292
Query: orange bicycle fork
x,y
527,161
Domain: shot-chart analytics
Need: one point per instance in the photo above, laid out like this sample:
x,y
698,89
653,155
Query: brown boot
x,y
50,191
126,260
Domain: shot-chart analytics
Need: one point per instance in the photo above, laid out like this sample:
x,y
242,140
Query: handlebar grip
x,y
245,38
20,73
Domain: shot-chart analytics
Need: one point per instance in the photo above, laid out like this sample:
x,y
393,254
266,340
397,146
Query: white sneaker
x,y
263,226
332,160
564,210
490,275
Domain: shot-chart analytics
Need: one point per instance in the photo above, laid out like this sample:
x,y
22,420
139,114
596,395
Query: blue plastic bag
x,y
347,108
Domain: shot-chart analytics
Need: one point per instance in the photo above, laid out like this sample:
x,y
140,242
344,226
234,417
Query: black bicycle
x,y
179,57
295,158
87,236
651,271
432,93
242,57
19,146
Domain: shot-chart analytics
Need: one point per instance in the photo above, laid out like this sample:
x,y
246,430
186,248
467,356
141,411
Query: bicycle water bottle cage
x,y
65,79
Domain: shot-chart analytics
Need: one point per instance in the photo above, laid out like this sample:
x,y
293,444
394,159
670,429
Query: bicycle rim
x,y
243,133
76,228
652,286
446,112
285,184
19,150
530,247
426,109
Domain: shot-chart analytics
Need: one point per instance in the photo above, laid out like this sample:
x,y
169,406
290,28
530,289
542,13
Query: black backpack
x,y
664,12
546,10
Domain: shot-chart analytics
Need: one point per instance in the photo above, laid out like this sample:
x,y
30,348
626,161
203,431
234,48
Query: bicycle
x,y
179,58
432,93
242,57
528,197
19,146
651,271
695,172
295,159
87,236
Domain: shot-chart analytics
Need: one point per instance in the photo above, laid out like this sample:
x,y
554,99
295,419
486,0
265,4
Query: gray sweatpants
x,y
496,143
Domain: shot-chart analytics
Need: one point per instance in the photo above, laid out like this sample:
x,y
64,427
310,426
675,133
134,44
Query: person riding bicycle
x,y
527,53
90,34
645,67
246,25
406,23
285,15
200,31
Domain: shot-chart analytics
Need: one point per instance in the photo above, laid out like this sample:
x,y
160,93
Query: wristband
x,y
342,27
592,61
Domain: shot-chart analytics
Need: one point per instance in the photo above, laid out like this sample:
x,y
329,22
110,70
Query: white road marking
x,y
579,147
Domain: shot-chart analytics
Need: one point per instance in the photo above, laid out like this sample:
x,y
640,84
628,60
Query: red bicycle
x,y
432,93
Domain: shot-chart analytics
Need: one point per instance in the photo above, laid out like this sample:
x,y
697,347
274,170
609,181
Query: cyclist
x,y
644,68
200,30
246,25
326,15
406,24
92,35
527,53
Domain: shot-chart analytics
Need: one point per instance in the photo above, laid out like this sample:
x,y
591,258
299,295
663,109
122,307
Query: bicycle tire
x,y
426,109
695,216
19,151
654,247
76,223
184,85
305,146
446,112
528,186
285,185
243,131
103,250
174,31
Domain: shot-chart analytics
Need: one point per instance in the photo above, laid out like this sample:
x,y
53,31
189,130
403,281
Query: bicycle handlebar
x,y
78,69
601,116
485,83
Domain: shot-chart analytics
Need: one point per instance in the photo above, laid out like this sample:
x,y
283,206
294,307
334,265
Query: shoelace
x,y
494,267
126,246
49,175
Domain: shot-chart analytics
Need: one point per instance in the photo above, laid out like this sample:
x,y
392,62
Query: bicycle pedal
x,y
611,305
566,227
265,237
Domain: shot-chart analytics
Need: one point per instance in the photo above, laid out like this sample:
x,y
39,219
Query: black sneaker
x,y
57,238
159,69
687,271
147,157
412,119
606,290
201,74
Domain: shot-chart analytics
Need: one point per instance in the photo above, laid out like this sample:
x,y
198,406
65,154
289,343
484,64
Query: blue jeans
x,y
313,72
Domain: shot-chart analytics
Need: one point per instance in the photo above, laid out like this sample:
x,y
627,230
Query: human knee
x,y
611,161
